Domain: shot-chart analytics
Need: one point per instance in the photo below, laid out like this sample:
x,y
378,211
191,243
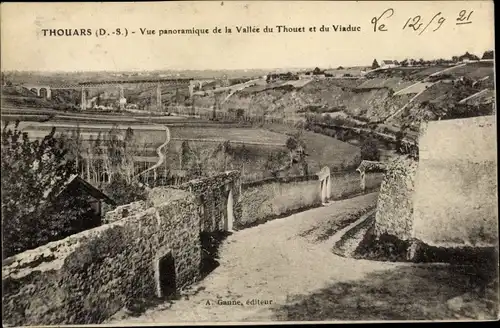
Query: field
x,y
244,135
415,88
393,83
474,71
260,142
149,135
322,150
428,71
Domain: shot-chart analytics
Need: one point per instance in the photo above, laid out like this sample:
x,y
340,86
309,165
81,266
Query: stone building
x,y
448,199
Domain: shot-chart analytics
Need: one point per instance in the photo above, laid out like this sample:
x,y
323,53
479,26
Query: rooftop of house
x,y
75,181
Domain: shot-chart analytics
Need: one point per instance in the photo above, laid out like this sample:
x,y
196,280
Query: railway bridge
x,y
45,90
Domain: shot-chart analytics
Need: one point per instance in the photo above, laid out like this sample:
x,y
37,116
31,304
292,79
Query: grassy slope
x,y
323,150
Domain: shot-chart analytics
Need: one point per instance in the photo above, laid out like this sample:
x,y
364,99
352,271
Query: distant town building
x,y
388,63
467,57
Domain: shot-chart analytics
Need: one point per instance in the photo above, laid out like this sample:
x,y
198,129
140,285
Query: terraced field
x,y
474,71
244,135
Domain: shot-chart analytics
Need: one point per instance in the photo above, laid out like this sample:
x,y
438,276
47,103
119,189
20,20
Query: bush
x,y
123,192
369,150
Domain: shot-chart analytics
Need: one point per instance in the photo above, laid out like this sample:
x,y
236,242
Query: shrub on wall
x,y
123,192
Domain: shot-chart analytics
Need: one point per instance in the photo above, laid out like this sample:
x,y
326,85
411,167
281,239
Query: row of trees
x,y
109,154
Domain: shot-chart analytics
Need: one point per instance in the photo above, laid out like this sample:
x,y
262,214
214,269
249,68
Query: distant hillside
x,y
403,95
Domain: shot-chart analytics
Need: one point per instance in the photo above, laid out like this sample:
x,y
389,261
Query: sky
x,y
25,48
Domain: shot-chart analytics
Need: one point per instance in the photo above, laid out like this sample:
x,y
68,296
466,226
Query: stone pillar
x,y
362,180
49,93
328,187
228,225
191,89
158,98
193,107
83,104
122,95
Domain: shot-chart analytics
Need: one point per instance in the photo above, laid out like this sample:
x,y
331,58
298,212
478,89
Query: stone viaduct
x,y
45,90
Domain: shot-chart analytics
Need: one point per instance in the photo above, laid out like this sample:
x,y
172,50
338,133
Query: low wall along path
x,y
147,249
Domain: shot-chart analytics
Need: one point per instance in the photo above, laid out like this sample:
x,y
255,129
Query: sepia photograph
x,y
233,162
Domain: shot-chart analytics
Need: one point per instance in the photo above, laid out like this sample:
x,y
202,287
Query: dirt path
x,y
289,263
159,151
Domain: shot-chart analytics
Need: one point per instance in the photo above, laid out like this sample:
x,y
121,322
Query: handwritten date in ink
x,y
464,17
418,23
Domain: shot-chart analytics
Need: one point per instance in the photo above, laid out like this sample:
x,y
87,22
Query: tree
x,y
123,192
291,143
190,161
296,147
97,163
375,64
488,55
215,107
276,162
185,155
399,141
317,71
75,146
244,154
369,150
240,112
33,175
114,148
129,149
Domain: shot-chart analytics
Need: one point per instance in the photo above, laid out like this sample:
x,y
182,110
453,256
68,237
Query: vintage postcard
x,y
236,162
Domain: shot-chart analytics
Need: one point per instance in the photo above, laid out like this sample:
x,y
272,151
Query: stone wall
x,y
271,198
274,197
456,203
373,180
213,194
346,184
395,204
123,211
87,277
